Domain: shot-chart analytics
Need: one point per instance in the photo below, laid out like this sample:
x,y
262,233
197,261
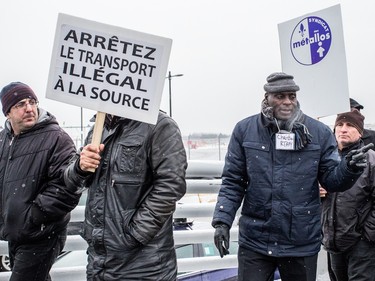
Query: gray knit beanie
x,y
280,82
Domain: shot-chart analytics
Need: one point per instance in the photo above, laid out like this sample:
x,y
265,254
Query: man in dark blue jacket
x,y
274,162
35,204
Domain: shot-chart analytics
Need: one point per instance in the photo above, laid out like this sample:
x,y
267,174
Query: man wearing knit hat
x,y
368,135
35,203
274,163
348,217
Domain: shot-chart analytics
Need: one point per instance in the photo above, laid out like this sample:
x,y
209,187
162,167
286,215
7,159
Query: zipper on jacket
x,y
9,156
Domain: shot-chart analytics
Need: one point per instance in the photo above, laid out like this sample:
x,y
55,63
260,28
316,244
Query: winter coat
x,y
279,189
368,136
34,199
350,215
131,200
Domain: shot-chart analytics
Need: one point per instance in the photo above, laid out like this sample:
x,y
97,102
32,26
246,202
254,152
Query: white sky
x,y
224,49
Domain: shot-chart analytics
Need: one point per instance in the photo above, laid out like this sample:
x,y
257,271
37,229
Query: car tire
x,y
4,263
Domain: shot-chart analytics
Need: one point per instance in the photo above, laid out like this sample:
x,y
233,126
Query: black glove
x,y
221,239
357,159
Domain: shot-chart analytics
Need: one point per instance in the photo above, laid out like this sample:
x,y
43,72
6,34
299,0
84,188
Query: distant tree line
x,y
208,135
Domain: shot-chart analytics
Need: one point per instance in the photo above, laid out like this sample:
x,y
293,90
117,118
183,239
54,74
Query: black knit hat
x,y
280,82
353,117
13,93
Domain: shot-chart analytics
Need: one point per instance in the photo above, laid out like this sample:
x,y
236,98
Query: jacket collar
x,y
356,145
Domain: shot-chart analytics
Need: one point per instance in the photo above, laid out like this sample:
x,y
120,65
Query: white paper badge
x,y
285,141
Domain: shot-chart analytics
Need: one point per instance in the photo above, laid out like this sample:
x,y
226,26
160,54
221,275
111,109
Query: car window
x,y
209,249
83,198
185,251
73,258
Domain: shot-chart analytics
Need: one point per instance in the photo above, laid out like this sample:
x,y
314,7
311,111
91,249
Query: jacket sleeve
x,y
369,224
74,177
234,182
168,163
334,173
56,199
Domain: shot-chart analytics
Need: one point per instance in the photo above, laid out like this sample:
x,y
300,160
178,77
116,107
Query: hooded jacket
x,y
34,199
131,199
350,215
278,189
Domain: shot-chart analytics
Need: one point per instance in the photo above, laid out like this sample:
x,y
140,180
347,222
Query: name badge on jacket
x,y
285,141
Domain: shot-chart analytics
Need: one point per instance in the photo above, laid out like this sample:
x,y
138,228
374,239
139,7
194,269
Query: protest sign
x,y
313,51
108,68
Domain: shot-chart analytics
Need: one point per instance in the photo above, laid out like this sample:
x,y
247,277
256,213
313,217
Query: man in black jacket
x,y
139,176
348,219
368,135
35,204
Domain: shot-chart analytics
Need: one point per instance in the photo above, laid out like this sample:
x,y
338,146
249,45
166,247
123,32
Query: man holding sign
x,y
139,176
274,162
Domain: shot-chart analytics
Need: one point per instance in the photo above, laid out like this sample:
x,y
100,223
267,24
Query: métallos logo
x,y
311,40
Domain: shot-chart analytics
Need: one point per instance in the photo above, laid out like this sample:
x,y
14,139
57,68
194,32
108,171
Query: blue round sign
x,y
311,40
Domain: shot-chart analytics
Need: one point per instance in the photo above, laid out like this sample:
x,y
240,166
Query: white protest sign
x,y
313,51
108,68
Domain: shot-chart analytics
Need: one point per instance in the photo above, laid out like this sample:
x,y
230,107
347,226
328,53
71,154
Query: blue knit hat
x,y
13,93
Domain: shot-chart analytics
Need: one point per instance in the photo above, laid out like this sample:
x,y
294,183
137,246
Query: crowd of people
x,y
299,185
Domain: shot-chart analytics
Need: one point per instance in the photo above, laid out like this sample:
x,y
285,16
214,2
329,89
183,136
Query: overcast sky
x,y
224,49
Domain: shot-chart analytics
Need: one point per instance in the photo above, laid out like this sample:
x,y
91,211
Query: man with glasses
x,y
35,204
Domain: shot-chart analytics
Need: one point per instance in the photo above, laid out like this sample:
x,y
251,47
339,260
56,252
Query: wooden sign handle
x,y
98,131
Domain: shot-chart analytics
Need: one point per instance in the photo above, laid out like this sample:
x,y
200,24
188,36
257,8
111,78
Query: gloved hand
x,y
357,159
221,238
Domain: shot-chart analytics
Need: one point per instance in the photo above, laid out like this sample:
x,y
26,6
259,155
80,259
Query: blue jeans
x,y
33,261
357,264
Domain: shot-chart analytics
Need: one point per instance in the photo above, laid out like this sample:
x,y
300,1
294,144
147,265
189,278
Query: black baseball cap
x,y
355,104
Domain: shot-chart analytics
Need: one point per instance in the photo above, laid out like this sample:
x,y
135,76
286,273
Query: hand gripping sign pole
x,y
98,131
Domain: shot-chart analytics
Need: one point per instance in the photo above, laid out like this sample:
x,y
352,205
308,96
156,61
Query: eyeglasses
x,y
24,103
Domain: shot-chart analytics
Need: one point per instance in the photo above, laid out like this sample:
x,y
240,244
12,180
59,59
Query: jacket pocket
x,y
306,161
126,190
305,227
127,151
257,156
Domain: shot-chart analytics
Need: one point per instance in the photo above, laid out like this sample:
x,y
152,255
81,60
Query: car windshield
x,y
73,258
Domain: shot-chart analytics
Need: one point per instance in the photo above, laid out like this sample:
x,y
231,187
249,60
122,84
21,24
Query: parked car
x,y
4,263
79,258
75,227
188,250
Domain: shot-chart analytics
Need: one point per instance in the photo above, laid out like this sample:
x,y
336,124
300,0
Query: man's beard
x,y
288,124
